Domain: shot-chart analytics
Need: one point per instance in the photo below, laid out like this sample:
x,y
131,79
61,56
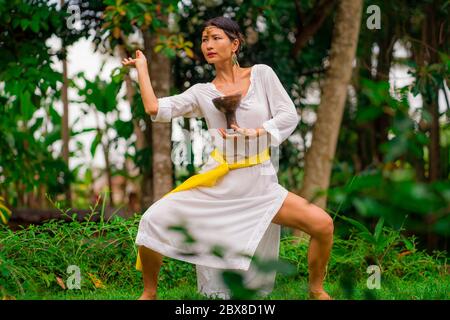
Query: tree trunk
x,y
384,59
319,158
160,70
305,31
105,149
65,125
432,106
430,25
366,144
419,162
147,171
130,92
108,171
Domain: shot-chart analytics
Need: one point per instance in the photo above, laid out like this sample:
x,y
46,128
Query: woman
x,y
242,210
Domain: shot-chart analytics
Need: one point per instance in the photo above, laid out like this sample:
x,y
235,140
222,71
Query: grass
x,y
396,289
34,261
428,289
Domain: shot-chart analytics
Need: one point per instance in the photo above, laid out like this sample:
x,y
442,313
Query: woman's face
x,y
217,43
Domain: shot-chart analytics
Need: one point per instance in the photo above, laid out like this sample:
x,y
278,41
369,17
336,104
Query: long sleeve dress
x,y
222,227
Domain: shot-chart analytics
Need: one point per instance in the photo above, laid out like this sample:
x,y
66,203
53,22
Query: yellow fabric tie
x,y
209,178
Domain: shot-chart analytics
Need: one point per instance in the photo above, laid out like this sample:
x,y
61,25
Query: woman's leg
x,y
151,264
297,212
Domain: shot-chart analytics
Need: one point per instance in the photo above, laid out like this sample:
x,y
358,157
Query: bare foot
x,y
148,296
319,295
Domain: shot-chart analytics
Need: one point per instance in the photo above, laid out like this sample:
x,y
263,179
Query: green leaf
x,y
275,265
75,133
37,124
408,244
379,228
24,24
27,108
158,48
53,136
372,207
189,52
35,23
124,128
218,251
368,113
95,143
381,244
235,282
355,223
54,115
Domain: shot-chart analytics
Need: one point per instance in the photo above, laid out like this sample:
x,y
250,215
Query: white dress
x,y
234,216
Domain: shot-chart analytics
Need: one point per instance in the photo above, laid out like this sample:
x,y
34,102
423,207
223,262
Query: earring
x,y
234,59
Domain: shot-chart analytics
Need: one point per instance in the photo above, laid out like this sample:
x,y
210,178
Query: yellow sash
x,y
209,178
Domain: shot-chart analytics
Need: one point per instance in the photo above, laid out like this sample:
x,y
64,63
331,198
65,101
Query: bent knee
x,y
325,225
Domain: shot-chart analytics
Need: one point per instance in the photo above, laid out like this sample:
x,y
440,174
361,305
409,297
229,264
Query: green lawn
x,y
429,289
34,262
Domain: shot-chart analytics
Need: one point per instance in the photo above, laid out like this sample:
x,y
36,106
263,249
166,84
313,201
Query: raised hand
x,y
139,62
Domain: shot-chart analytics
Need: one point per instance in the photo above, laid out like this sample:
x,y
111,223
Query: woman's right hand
x,y
139,62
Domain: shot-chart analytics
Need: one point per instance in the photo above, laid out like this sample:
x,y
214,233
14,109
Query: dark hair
x,y
230,27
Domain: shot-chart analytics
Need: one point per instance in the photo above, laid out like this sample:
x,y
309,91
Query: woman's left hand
x,y
248,132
